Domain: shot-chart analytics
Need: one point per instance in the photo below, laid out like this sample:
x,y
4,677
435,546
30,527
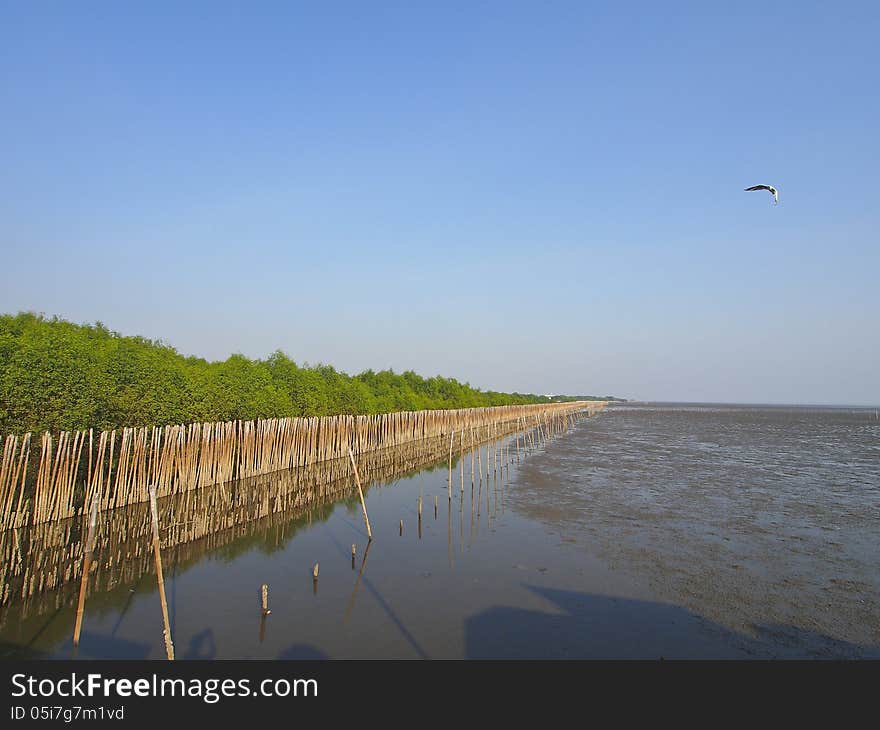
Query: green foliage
x,y
58,375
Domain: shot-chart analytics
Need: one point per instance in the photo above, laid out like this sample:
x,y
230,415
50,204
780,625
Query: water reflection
x,y
41,567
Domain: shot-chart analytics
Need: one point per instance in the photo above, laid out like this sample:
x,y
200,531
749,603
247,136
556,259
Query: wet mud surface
x,y
763,520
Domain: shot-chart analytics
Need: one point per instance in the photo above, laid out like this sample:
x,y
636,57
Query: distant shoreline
x,y
734,404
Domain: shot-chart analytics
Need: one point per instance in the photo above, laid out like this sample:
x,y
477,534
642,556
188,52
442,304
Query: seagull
x,y
769,188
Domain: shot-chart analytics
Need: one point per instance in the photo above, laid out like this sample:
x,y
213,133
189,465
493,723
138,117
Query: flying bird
x,y
769,188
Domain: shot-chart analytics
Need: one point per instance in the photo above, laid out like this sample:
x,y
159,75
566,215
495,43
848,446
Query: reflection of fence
x,y
41,565
117,467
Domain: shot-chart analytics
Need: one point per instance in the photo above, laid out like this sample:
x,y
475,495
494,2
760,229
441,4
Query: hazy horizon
x,y
768,404
543,199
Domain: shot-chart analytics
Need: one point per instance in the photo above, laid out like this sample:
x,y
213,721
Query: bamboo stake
x,y
169,645
361,493
19,516
87,564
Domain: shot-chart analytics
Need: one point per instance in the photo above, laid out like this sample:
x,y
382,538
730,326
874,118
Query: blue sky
x,y
544,197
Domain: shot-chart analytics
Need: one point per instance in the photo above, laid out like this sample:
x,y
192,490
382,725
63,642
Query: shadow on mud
x,y
587,626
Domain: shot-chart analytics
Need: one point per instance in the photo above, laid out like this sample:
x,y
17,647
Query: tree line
x,y
58,375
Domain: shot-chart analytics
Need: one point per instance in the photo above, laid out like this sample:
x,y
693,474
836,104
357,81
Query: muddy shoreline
x,y
760,520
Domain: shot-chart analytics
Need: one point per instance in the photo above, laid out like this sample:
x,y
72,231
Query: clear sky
x,y
542,196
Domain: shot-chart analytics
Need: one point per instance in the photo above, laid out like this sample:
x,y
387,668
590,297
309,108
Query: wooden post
x,y
264,599
169,645
87,564
361,493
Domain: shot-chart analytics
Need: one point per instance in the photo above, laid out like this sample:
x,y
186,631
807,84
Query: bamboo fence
x,y
118,467
41,566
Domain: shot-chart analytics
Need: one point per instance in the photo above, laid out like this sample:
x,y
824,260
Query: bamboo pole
x,y
87,564
361,493
169,645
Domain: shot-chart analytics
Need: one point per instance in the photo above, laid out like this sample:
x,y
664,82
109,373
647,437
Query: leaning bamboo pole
x,y
169,644
87,564
357,479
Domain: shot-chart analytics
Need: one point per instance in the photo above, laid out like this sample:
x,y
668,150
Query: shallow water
x,y
647,531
